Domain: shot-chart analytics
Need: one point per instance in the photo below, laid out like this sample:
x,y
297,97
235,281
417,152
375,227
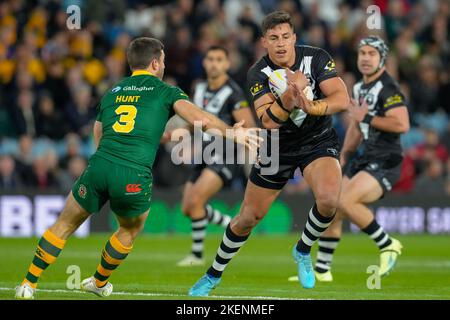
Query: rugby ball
x,y
278,84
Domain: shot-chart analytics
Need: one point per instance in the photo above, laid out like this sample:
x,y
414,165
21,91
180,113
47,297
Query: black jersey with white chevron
x,y
381,95
301,128
221,102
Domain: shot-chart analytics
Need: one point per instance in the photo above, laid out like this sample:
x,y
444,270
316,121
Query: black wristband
x,y
274,117
367,119
280,103
261,118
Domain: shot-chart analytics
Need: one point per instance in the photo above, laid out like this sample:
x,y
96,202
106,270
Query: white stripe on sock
x,y
383,241
324,256
328,244
313,231
196,247
216,217
225,255
200,224
317,222
231,244
377,233
307,240
322,266
226,220
198,235
217,266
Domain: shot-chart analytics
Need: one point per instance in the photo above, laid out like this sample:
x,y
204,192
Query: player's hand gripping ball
x,y
278,84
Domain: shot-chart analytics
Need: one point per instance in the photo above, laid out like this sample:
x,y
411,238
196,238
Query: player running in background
x,y
130,122
222,97
306,140
378,117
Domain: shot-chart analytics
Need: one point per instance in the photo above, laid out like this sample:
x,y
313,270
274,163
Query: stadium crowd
x,y
51,77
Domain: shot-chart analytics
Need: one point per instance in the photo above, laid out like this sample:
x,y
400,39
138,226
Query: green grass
x,y
259,270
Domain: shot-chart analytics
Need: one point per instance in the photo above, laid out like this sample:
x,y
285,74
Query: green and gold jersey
x,y
134,115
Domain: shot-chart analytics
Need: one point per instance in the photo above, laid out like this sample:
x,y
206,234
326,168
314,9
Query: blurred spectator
x,y
55,83
407,50
433,179
9,178
234,9
23,114
51,160
73,79
395,18
407,180
50,122
144,18
105,11
444,92
80,112
176,52
115,70
41,177
425,87
428,152
72,150
447,182
316,35
24,157
75,168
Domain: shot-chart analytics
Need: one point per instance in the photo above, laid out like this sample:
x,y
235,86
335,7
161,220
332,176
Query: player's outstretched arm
x,y
98,131
192,113
246,115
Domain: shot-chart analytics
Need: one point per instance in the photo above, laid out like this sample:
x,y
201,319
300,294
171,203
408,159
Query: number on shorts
x,y
126,121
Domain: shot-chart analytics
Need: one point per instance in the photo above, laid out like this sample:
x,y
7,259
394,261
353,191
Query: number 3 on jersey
x,y
126,121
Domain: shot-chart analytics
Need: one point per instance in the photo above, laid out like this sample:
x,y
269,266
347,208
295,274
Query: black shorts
x,y
327,146
227,172
386,169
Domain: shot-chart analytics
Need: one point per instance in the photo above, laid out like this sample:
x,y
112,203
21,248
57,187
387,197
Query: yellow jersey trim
x,y
141,72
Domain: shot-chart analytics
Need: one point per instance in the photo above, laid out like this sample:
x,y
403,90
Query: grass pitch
x,y
259,271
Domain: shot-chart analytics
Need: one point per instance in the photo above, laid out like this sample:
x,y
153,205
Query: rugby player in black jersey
x,y
306,140
379,116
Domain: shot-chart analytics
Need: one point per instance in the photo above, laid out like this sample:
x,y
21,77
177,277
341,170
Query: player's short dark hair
x,y
218,47
142,51
275,18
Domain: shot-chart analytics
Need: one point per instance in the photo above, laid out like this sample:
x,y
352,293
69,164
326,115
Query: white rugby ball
x,y
278,84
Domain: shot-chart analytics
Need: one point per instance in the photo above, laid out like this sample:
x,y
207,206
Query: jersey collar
x,y
141,72
380,77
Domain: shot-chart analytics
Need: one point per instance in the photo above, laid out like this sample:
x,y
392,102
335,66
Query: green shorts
x,y
129,190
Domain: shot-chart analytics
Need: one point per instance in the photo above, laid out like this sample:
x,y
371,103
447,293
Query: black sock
x,y
376,232
198,235
228,248
216,217
325,253
315,226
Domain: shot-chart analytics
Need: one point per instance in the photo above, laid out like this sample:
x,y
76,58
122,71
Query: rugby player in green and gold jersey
x,y
130,122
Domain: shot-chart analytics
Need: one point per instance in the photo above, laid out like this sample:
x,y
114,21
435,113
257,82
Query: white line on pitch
x,y
152,294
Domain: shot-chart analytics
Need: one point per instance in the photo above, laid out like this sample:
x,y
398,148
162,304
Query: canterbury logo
x,y
39,253
133,188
